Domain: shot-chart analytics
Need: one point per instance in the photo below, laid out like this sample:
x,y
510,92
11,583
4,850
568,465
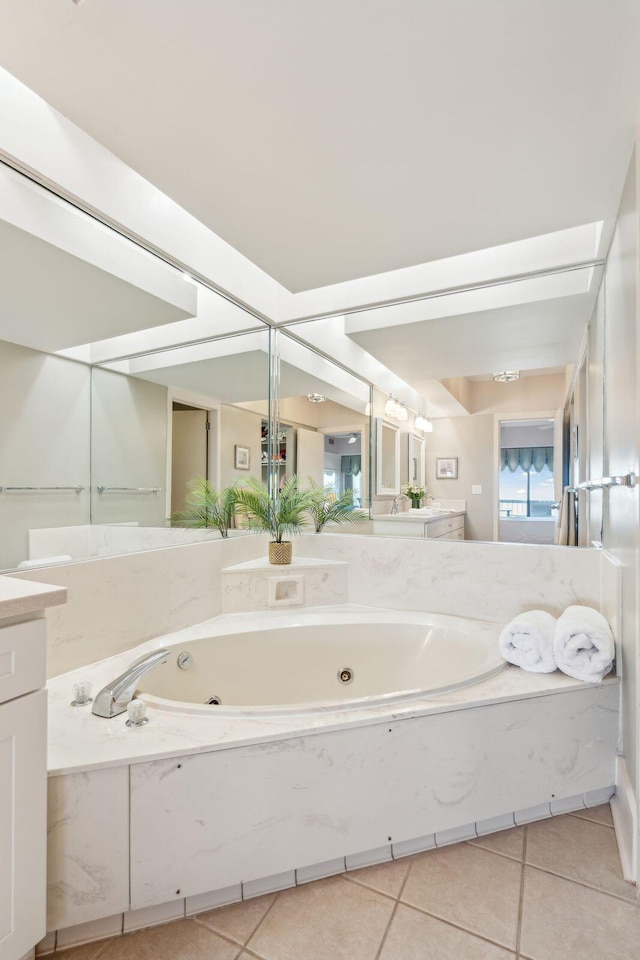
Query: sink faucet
x,y
113,699
394,505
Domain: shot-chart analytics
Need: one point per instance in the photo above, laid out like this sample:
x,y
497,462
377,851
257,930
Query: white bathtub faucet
x,y
113,699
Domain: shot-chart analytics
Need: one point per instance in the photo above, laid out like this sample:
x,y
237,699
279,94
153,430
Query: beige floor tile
x,y
238,921
415,936
510,843
579,850
331,918
469,886
565,921
385,877
601,814
182,940
89,951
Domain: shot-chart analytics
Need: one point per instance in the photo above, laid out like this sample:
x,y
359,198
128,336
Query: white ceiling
x,y
51,300
338,140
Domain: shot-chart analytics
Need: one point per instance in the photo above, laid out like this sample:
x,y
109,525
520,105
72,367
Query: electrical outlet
x,y
476,488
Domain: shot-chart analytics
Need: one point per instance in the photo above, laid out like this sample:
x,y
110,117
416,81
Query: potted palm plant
x,y
329,507
206,507
283,516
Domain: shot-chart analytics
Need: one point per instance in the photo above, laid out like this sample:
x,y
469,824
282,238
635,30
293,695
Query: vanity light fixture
x,y
402,413
315,398
423,423
507,376
390,407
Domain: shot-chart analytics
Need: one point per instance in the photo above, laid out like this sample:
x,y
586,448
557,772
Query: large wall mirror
x,y
123,379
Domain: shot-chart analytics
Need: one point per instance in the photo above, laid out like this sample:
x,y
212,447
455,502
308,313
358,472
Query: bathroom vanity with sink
x,y
438,523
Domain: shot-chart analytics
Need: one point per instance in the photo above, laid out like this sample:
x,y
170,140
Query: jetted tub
x,y
310,662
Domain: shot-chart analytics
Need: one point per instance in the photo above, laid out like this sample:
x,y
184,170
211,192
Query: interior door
x,y
188,451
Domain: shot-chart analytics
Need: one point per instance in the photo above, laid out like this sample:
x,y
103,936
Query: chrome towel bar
x,y
102,489
605,483
77,488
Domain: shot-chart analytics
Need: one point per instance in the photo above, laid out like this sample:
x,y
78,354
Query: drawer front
x,y
440,528
23,654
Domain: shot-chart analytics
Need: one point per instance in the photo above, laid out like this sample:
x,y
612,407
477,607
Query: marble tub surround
x,y
79,741
559,908
366,798
116,602
258,584
86,541
484,581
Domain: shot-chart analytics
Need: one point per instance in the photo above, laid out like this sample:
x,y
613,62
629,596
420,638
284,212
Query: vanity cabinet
x,y
23,787
23,763
406,525
447,528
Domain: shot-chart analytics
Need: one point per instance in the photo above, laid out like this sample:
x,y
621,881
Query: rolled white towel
x,y
584,647
528,641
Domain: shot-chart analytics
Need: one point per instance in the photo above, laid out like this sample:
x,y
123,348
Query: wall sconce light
x,y
423,423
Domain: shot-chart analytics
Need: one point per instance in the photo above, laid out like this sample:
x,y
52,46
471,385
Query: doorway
x,y
190,429
343,464
528,508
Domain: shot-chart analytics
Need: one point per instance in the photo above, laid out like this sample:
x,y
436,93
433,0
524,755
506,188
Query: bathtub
x,y
320,661
433,740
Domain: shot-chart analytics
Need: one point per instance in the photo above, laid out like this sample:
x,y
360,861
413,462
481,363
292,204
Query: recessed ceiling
x,y
51,300
339,140
526,336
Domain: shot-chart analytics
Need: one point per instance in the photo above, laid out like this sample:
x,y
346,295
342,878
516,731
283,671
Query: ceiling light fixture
x,y
352,438
315,398
507,376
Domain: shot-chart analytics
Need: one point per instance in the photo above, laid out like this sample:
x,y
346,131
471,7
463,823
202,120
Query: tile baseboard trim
x,y
163,913
624,810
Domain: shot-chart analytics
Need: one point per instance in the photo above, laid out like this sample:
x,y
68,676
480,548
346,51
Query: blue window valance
x,y
528,458
351,466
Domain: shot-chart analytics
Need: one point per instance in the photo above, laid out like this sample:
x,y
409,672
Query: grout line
x,y
456,926
581,883
367,886
105,947
264,917
393,912
521,897
581,816
499,853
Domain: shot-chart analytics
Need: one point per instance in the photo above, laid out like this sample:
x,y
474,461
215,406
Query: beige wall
x,y
44,441
128,447
525,395
471,440
243,428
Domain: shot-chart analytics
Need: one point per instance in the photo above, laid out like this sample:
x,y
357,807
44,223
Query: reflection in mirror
x,y
75,293
322,422
415,460
387,458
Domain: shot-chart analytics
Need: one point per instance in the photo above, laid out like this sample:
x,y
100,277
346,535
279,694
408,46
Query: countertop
x,y
18,597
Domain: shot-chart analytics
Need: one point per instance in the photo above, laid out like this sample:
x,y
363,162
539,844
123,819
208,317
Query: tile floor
x,y
552,890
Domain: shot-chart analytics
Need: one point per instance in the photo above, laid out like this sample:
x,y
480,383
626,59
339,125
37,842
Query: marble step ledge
x,y
260,585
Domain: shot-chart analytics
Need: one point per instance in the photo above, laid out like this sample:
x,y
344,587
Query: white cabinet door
x,y
23,823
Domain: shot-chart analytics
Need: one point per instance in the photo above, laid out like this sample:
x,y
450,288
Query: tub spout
x,y
113,699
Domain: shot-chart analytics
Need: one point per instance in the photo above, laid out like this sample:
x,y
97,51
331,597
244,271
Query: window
x,y
526,482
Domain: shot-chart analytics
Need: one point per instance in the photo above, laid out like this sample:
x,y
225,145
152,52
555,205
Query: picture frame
x,y
242,457
446,468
